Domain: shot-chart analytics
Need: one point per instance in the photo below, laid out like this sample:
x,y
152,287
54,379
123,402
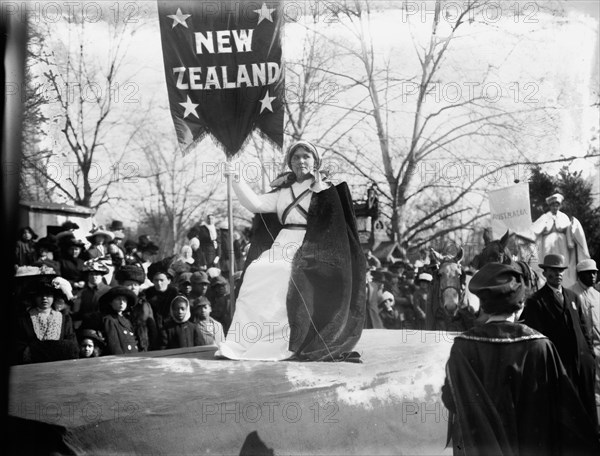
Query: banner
x,y
510,209
223,70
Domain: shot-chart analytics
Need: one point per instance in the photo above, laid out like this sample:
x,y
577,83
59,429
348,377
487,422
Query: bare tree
x,y
33,184
172,191
384,101
81,90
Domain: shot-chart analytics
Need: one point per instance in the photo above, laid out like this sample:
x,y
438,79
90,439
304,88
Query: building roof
x,y
57,207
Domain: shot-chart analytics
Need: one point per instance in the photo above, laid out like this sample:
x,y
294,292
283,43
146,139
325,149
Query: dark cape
x,y
326,302
508,394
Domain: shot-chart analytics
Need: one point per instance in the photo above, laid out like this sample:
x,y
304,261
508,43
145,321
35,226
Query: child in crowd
x,y
178,331
211,330
91,343
132,276
117,329
391,318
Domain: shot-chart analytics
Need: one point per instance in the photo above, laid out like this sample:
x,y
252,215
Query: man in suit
x,y
555,312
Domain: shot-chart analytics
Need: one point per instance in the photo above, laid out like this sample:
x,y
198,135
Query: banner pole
x,y
230,247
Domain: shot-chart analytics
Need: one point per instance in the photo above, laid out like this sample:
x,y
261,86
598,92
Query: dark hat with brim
x,y
129,244
68,225
554,261
116,225
92,334
160,268
184,277
106,298
68,239
499,287
149,247
46,243
131,272
199,277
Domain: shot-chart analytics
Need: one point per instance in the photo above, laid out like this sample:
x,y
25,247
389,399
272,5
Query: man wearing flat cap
x,y
506,388
555,312
556,232
589,299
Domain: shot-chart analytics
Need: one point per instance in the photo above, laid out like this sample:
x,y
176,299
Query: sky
x,y
566,55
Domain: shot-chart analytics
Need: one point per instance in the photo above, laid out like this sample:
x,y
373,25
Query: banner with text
x,y
223,70
510,209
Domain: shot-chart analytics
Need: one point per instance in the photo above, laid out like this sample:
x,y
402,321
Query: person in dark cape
x,y
506,388
302,294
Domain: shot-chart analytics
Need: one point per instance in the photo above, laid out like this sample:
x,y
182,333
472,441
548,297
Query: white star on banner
x,y
265,103
190,108
264,13
179,18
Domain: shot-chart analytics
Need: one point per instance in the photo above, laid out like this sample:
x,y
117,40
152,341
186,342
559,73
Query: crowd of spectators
x,y
110,296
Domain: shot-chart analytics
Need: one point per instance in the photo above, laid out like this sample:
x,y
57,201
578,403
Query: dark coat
x,y
160,301
329,277
72,269
372,319
207,248
87,301
508,394
119,336
24,253
144,324
565,326
180,335
28,348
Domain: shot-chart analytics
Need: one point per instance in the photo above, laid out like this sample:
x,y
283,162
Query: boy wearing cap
x,y
555,312
589,299
199,282
506,388
211,331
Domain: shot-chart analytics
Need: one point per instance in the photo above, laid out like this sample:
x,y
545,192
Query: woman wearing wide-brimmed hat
x,y
303,290
99,239
71,263
43,334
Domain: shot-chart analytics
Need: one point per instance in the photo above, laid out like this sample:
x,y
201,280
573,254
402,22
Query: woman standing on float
x,y
303,289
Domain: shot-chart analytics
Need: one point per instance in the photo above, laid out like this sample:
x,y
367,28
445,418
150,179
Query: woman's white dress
x,y
260,329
